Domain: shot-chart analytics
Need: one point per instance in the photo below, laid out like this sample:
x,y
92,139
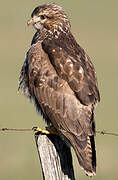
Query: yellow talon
x,y
42,130
50,130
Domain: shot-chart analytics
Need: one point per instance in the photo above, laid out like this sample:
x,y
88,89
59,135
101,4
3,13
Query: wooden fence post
x,y
55,157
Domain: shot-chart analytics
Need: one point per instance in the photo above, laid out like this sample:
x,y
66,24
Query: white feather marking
x,y
90,173
81,70
58,33
36,67
88,143
61,66
53,50
60,28
50,32
69,61
56,36
43,80
71,65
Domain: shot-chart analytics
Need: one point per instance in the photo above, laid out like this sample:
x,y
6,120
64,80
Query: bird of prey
x,y
60,78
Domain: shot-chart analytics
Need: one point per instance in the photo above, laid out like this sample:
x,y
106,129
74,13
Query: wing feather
x,y
60,106
74,66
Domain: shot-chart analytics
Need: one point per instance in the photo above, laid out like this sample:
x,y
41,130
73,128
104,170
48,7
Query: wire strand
x,y
17,129
107,133
103,132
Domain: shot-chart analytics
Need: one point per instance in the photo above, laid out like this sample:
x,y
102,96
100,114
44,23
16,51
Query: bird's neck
x,y
51,34
62,39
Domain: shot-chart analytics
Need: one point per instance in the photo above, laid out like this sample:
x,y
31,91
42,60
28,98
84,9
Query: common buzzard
x,y
60,78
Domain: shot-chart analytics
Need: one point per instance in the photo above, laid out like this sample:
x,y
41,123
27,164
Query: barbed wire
x,y
107,133
17,129
103,132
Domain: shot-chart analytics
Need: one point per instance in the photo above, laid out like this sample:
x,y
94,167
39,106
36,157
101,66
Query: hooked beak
x,y
33,20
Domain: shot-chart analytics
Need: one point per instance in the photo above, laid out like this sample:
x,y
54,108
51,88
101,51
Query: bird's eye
x,y
43,17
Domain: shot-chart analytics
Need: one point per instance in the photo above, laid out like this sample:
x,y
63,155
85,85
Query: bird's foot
x,y
48,130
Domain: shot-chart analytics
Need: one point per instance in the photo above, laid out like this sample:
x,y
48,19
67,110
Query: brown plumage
x,y
59,76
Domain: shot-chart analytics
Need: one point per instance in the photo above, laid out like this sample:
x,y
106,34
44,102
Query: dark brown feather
x,y
59,76
82,79
59,104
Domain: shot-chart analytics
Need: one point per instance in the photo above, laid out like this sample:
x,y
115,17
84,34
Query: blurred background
x,y
95,26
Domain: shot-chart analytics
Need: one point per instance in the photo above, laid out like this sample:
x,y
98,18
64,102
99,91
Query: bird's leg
x,y
48,130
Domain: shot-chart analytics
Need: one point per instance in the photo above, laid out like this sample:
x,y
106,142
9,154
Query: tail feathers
x,y
85,151
89,158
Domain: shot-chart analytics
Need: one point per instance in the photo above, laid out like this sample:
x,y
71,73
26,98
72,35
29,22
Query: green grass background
x,y
95,26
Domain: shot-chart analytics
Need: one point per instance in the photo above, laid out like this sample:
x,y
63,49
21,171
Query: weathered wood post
x,y
55,157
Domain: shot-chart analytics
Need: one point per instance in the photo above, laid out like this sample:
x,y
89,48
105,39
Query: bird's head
x,y
50,17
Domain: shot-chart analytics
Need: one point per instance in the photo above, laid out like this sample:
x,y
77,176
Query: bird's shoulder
x,y
41,72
